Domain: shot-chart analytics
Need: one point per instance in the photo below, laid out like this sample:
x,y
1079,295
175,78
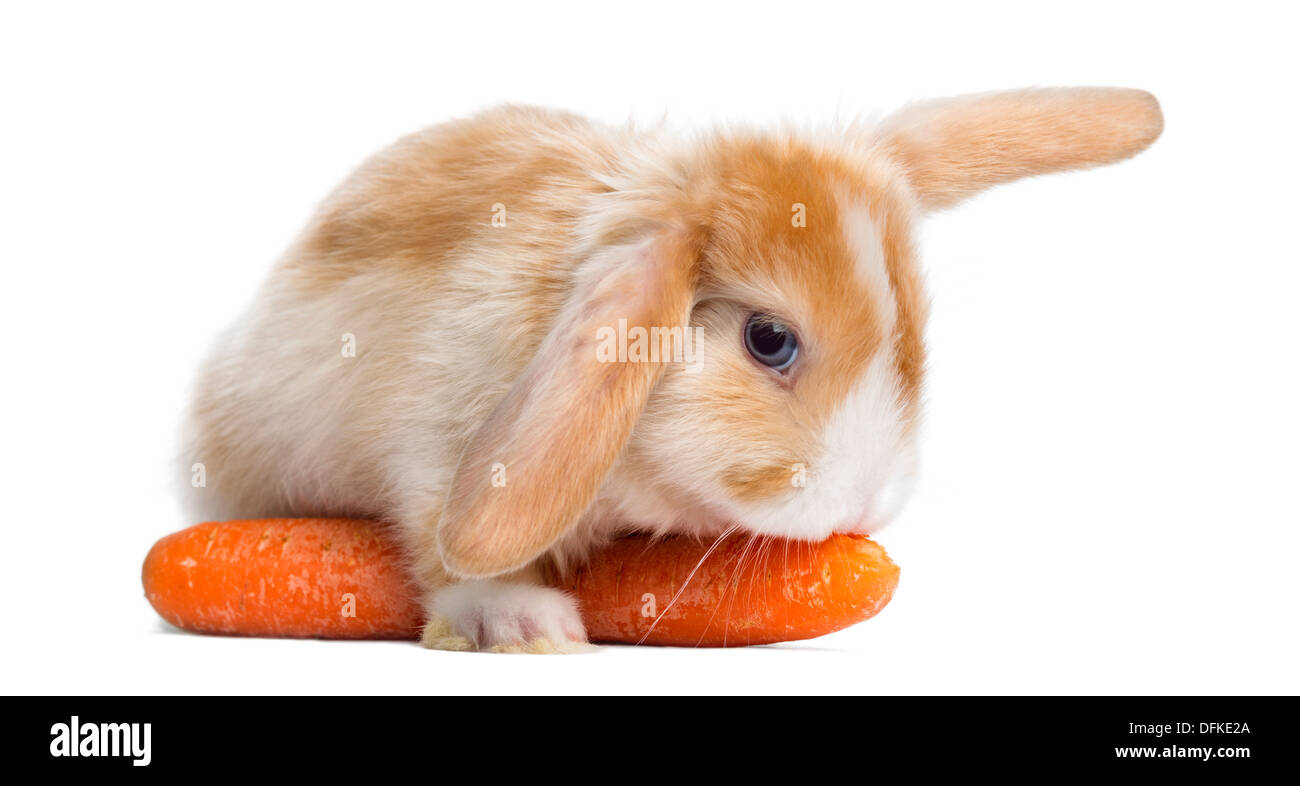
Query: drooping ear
x,y
535,465
952,148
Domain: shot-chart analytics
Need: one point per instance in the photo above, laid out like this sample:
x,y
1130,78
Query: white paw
x,y
494,616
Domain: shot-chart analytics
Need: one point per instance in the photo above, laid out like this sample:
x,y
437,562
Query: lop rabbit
x,y
457,344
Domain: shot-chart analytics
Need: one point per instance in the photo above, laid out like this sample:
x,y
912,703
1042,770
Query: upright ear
x,y
955,147
536,464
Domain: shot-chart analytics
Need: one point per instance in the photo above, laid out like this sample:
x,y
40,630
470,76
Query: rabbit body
x,y
431,351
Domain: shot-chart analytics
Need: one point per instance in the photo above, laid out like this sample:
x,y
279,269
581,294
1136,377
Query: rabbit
x,y
428,352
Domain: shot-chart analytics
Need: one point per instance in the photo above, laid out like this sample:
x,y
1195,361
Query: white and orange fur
x,y
475,342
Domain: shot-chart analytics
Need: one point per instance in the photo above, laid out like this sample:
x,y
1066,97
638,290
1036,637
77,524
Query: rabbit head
x,y
743,342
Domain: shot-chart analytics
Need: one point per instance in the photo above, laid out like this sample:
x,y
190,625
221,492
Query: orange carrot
x,y
341,578
745,591
326,578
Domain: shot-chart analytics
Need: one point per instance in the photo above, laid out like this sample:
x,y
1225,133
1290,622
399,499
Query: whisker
x,y
689,576
727,591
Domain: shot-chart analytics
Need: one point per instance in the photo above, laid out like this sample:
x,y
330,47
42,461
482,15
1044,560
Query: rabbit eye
x,y
771,342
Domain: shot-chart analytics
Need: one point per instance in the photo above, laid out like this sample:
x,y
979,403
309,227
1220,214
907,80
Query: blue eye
x,y
772,343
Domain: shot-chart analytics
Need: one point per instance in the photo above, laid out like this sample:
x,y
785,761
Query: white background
x,y
1110,459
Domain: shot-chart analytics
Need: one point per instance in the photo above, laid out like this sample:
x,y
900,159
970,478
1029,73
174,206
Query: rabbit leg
x,y
503,615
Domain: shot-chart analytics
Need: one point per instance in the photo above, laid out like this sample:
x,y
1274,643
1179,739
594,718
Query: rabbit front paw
x,y
486,615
